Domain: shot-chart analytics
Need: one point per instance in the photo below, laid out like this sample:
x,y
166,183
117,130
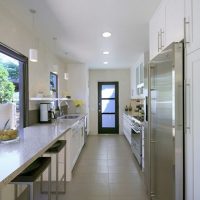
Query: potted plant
x,y
7,88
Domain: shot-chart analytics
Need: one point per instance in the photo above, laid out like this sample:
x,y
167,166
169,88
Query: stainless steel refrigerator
x,y
164,125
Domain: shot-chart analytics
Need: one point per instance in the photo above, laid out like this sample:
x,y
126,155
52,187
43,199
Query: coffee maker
x,y
45,112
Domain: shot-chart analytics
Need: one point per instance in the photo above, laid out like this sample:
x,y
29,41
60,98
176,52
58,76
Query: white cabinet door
x,y
192,14
157,30
127,128
153,37
192,139
174,21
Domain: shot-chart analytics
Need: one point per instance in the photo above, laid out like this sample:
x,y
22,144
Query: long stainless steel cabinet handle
x,y
186,23
161,39
158,41
187,106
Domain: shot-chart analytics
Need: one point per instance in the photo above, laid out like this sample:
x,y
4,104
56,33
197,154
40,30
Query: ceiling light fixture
x,y
33,52
105,63
106,34
106,52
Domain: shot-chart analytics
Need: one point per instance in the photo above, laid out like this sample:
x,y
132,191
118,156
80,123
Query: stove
x,y
136,137
139,118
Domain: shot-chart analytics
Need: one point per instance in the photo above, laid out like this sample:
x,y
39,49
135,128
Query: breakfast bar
x,y
33,142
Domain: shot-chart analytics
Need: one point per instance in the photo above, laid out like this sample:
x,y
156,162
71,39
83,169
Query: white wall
x,y
95,76
77,86
15,35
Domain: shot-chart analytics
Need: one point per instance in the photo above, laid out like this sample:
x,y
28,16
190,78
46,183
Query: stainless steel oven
x,y
136,141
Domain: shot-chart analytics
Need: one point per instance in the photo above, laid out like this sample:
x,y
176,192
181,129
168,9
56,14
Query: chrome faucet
x,y
61,111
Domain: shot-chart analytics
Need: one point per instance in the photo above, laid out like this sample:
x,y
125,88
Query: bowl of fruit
x,y
8,135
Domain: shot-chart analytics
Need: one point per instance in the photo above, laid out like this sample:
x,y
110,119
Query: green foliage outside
x,y
12,70
7,88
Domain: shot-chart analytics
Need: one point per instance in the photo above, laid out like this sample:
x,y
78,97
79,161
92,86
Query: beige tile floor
x,y
106,170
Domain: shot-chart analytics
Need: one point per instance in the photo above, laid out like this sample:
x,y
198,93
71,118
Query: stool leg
x,y
16,188
56,176
49,182
41,183
65,167
31,192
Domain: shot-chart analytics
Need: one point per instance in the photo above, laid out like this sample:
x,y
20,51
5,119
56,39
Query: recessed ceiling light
x,y
106,52
105,63
106,34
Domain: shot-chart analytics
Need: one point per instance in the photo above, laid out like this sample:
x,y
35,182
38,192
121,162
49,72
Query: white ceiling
x,y
79,24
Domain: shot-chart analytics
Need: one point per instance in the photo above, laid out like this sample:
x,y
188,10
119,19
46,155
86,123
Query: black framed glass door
x,y
108,107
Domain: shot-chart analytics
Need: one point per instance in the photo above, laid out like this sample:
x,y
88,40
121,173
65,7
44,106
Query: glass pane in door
x,y
108,91
108,106
108,120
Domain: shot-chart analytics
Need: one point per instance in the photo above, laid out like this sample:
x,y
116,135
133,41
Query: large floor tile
x,y
105,170
126,189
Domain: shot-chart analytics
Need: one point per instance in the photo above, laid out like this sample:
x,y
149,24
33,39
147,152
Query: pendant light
x,y
66,76
33,52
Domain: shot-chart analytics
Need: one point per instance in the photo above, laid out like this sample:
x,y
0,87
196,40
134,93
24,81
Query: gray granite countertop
x,y
33,142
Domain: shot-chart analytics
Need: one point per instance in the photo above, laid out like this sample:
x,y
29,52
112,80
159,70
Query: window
x,y
54,86
14,83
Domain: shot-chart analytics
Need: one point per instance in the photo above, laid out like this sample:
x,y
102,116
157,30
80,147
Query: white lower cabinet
x,y
192,135
74,144
127,127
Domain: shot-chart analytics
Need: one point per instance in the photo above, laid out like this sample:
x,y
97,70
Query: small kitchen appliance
x,y
45,112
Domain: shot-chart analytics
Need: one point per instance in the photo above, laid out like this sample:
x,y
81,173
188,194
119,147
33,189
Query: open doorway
x,y
14,85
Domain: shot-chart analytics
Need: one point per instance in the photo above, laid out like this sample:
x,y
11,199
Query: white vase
x,y
8,112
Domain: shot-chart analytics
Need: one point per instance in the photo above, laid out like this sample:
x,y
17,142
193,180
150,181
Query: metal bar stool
x,y
56,149
31,174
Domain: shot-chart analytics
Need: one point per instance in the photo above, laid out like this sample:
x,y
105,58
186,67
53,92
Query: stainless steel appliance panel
x,y
166,124
146,131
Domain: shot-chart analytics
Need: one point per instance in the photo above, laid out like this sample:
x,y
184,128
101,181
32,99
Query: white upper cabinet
x,y
174,22
192,25
137,78
166,25
157,30
133,89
